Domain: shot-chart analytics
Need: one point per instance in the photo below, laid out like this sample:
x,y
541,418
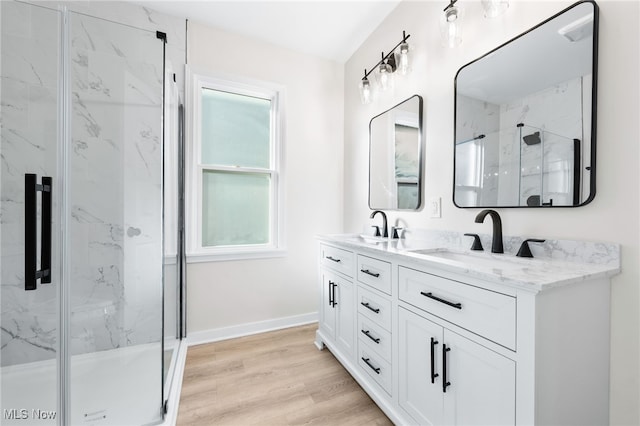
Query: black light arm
x,y
405,36
450,5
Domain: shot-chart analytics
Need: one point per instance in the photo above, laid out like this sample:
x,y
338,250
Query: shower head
x,y
532,139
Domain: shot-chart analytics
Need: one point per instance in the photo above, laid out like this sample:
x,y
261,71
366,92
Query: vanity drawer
x,y
375,307
375,337
375,367
337,259
375,273
487,313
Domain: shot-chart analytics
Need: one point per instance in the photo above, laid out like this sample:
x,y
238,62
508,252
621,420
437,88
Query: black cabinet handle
x,y
434,342
366,305
366,333
333,292
31,272
331,258
366,361
368,272
446,302
445,383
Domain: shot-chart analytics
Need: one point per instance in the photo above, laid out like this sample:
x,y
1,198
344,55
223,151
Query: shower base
x,y
115,387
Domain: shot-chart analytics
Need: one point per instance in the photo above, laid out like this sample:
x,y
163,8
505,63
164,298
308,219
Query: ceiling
x,y
329,29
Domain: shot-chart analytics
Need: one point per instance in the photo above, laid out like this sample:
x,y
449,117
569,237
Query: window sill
x,y
240,254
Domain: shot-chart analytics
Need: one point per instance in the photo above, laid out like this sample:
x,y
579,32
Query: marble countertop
x,y
559,263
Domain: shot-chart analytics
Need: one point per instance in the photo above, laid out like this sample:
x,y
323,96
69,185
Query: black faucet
x,y
385,231
496,242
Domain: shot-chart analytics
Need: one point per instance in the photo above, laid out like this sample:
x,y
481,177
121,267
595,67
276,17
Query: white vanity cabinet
x,y
375,338
437,342
448,379
337,314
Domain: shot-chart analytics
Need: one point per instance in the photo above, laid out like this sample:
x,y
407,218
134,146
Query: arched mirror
x,y
525,117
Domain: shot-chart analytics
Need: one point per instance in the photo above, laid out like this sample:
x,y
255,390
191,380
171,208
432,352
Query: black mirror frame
x,y
594,87
421,150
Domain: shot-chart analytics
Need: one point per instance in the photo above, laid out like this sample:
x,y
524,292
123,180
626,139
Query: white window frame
x,y
276,247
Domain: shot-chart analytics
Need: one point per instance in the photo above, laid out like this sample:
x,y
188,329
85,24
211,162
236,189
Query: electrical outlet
x,y
435,207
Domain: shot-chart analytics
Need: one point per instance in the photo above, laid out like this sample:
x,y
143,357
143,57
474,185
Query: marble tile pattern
x,y
481,118
555,262
29,111
545,169
114,173
511,170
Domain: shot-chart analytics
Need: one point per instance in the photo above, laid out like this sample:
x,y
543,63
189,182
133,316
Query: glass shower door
x,y
114,212
29,271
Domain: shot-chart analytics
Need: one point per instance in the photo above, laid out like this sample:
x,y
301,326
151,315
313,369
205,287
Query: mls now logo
x,y
23,414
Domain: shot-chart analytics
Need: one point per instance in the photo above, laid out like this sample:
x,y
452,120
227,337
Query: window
x,y
236,170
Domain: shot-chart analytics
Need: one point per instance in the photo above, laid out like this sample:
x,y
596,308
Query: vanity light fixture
x,y
404,60
385,73
366,94
385,69
450,25
494,8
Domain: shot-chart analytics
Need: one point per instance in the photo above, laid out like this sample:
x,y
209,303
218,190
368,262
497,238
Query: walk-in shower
x,y
83,243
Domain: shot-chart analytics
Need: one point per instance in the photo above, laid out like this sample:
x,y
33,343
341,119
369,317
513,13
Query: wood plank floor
x,y
275,378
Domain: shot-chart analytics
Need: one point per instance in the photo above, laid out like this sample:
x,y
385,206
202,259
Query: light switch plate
x,y
435,207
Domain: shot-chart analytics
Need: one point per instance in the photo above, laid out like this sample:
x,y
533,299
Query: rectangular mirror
x,y
395,157
525,117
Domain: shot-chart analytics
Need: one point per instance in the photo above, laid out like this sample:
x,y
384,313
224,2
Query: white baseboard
x,y
217,334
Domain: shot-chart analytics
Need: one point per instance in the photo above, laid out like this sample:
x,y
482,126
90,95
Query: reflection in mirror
x,y
395,157
525,117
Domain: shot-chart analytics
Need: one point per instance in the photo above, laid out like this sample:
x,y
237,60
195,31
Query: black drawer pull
x,y
376,369
446,302
368,272
366,305
331,258
366,333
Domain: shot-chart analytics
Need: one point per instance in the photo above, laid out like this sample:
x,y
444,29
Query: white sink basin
x,y
478,259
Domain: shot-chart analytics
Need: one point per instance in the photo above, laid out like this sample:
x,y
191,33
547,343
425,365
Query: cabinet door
x,y
328,320
345,314
483,384
418,396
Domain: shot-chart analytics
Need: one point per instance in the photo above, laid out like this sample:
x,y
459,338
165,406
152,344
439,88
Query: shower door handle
x,y
31,272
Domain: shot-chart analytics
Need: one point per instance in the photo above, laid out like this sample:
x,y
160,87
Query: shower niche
x,y
82,110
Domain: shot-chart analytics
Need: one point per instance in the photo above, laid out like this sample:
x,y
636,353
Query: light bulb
x,y
403,61
366,95
450,29
385,76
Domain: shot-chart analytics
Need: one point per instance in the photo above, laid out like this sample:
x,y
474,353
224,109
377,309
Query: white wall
x,y
613,216
226,294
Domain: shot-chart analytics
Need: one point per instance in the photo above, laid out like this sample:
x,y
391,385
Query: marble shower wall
x,y
114,177
556,113
115,185
511,171
29,117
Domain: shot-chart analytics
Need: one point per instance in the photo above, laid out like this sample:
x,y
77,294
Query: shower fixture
x,y
532,139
